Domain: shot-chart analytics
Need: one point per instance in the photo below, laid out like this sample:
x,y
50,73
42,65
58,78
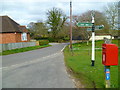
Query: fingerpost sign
x,y
84,24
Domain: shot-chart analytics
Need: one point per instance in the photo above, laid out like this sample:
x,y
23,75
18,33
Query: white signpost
x,y
91,27
93,41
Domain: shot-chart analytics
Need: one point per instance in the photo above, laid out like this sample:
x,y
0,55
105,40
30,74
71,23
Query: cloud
x,y
61,0
26,11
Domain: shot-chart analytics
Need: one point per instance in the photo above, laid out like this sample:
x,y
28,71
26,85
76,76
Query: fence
x,y
10,46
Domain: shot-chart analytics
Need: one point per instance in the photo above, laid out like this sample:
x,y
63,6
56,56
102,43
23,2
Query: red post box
x,y
109,54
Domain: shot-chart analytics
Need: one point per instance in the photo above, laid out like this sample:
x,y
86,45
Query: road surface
x,y
42,68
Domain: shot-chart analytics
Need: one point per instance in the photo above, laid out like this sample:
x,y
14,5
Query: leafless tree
x,y
100,19
38,29
111,12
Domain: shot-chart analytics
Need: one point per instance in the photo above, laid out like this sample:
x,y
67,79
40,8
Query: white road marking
x,y
63,48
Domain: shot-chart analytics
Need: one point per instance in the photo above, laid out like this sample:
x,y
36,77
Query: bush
x,y
43,42
37,38
66,39
60,41
51,39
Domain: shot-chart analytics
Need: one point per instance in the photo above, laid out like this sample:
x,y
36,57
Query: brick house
x,y
12,32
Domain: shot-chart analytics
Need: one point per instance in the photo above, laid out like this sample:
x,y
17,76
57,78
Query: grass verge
x,y
79,62
7,52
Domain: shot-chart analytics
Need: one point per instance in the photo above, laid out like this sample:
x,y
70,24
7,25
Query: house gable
x,y
8,25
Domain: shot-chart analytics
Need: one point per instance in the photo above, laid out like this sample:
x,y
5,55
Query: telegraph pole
x,y
71,25
93,40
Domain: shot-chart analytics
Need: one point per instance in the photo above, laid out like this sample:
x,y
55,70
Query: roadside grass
x,y
7,52
79,61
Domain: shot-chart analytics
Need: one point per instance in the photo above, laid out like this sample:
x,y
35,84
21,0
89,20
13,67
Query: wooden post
x,y
71,25
107,76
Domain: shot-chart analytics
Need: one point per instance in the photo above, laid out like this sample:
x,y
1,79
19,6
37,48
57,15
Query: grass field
x,y
7,52
79,61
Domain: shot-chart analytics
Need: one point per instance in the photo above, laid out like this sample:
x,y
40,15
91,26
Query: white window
x,y
24,36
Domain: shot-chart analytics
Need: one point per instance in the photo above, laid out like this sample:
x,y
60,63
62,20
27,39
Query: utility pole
x,y
93,39
71,25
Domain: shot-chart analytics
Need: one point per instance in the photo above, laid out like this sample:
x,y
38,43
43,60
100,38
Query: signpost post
x,y
93,41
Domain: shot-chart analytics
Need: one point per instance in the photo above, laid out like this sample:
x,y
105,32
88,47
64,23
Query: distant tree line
x,y
56,27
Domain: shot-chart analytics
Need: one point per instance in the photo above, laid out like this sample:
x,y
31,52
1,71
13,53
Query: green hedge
x,y
60,41
43,42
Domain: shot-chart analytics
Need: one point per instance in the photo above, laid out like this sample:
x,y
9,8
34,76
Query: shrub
x,y
51,39
37,38
60,41
43,42
66,39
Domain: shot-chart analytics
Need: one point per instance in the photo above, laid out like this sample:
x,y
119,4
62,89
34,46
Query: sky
x,y
26,11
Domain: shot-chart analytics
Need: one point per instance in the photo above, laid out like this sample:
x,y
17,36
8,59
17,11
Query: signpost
x,y
100,27
84,24
91,27
93,40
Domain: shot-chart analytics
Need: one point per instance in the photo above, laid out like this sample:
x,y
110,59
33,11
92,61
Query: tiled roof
x,y
24,29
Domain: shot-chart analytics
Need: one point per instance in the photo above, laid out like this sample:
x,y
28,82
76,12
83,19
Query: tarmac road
x,y
42,68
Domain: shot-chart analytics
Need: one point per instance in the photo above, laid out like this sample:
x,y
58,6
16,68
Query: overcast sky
x,y
26,11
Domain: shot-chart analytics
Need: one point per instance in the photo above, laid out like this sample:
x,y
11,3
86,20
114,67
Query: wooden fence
x,y
10,46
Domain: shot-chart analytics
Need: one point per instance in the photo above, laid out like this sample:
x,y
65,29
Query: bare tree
x,y
38,29
100,19
111,12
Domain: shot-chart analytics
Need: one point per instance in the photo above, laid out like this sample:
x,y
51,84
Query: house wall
x,y
28,37
12,38
7,38
101,37
18,37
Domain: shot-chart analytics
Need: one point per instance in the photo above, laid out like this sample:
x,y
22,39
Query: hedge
x,y
43,42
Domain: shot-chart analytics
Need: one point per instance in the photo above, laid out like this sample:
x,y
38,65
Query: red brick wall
x,y
28,37
7,38
18,37
0,38
12,38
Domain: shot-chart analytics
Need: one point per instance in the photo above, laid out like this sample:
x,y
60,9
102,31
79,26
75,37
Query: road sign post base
x,y
93,62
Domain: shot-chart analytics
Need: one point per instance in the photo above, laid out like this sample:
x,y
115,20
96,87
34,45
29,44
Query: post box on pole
x,y
109,58
109,54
